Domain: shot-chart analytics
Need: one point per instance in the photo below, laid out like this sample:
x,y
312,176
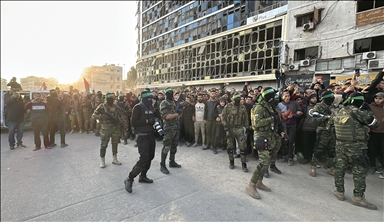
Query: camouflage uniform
x,y
171,130
264,125
87,113
352,151
75,107
127,110
325,140
236,118
98,101
109,128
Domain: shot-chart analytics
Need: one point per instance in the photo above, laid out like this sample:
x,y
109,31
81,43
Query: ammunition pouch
x,y
261,143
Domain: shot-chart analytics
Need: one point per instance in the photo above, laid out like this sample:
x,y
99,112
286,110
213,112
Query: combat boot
x,y
362,202
102,162
125,141
173,163
144,179
330,171
163,168
266,174
244,166
261,186
97,134
339,195
128,184
231,164
274,169
252,191
312,172
115,161
81,131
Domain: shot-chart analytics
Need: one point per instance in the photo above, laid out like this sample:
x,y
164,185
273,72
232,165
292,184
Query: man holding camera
x,y
143,119
170,116
110,118
13,84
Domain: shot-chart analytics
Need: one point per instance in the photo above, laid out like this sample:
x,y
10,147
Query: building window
x,y
328,65
307,53
314,16
364,5
369,44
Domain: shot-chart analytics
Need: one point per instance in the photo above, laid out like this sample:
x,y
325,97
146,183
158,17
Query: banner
x,y
364,79
86,85
305,81
43,87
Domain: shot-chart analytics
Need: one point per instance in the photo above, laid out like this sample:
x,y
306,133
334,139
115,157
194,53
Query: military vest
x,y
236,115
145,114
348,128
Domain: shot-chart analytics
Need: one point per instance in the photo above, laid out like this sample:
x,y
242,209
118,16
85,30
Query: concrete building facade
x,y
333,38
208,42
106,78
212,42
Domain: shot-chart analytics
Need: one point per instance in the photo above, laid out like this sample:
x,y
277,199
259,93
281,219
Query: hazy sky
x,y
59,39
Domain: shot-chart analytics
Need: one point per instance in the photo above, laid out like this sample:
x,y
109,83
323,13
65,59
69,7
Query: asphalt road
x,y
66,184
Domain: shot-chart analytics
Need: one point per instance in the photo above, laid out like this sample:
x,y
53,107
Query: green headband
x,y
237,96
357,98
259,99
328,96
168,89
109,95
267,91
146,94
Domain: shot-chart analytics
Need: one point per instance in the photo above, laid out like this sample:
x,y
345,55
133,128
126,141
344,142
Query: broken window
x,y
367,5
369,44
307,53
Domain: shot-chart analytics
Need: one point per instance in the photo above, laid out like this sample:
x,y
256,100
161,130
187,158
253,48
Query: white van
x,y
3,108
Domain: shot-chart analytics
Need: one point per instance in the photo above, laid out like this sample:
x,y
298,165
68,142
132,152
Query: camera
x,y
158,128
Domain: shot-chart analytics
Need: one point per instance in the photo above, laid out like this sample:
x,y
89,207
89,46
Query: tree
x,y
130,82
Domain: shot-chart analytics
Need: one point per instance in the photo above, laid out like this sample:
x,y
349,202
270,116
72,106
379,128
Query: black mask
x,y
329,101
110,101
236,102
268,97
169,95
121,99
358,103
147,102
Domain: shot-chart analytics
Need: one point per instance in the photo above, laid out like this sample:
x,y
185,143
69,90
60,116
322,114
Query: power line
x,y
336,36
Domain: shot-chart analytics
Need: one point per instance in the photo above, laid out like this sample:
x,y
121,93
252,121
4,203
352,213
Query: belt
x,y
143,134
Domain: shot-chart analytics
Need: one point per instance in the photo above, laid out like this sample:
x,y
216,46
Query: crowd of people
x,y
291,125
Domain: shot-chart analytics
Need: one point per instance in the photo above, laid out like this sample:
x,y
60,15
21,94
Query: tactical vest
x,y
236,116
145,114
347,128
38,110
111,110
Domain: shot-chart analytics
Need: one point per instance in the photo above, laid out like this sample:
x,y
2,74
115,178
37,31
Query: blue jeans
x,y
12,126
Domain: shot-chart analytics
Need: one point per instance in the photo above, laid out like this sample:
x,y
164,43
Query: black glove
x,y
151,121
104,117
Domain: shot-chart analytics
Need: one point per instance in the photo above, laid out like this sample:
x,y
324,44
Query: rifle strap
x,y
357,119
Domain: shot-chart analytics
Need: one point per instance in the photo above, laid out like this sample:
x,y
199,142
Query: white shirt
x,y
199,111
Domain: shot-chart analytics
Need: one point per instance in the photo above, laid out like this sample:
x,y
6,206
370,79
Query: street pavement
x,y
66,184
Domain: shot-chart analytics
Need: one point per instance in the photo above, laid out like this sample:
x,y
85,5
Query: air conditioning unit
x,y
308,26
305,62
376,64
369,55
294,67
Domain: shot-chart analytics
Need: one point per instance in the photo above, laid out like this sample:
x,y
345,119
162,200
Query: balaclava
x,y
236,99
99,94
169,93
328,97
109,98
267,94
53,93
146,98
356,99
121,97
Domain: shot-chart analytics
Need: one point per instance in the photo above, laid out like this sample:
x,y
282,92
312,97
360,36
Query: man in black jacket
x,y
143,119
15,118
